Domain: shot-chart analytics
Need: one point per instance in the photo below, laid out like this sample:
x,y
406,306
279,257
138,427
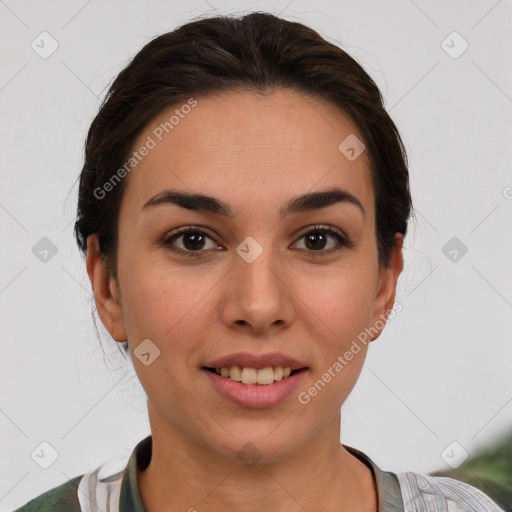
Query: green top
x,y
120,492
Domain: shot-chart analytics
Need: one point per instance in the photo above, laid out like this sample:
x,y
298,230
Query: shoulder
x,y
63,498
433,493
91,492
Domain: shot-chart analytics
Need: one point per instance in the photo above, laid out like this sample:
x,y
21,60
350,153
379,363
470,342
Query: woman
x,y
242,209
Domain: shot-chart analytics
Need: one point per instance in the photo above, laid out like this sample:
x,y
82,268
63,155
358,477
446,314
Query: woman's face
x,y
255,282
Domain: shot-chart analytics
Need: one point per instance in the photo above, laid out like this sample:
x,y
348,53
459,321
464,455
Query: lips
x,y
257,361
256,396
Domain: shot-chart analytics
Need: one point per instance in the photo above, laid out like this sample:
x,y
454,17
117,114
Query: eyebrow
x,y
204,203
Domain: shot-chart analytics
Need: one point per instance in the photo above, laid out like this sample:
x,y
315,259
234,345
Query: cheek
x,y
338,309
342,303
162,304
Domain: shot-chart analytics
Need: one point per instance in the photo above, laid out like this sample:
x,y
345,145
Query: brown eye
x,y
316,240
190,240
323,240
193,241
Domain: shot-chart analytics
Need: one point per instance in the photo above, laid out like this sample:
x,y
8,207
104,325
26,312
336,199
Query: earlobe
x,y
105,289
385,297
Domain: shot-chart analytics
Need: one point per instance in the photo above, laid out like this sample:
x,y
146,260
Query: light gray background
x,y
441,370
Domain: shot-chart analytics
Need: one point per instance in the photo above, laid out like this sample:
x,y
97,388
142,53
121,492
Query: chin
x,y
258,447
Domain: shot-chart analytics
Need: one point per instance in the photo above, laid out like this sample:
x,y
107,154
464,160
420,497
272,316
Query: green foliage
x,y
489,471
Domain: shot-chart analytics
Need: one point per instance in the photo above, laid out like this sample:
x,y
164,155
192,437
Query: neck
x,y
322,475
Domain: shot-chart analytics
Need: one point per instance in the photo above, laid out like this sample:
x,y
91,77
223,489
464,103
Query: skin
x,y
253,152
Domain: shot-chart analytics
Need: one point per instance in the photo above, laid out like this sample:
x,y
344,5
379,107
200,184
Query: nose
x,y
258,297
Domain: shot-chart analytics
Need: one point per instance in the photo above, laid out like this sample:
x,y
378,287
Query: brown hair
x,y
257,52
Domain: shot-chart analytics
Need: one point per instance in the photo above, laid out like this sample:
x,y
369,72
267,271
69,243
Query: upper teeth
x,y
253,376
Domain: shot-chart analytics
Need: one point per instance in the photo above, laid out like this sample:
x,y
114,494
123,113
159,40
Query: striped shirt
x,y
397,492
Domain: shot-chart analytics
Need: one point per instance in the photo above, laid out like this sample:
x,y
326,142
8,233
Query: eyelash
x,y
343,242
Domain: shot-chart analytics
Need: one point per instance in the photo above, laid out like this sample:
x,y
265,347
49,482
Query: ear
x,y
106,291
386,288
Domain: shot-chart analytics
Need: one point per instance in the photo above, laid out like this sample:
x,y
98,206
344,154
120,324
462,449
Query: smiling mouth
x,y
263,376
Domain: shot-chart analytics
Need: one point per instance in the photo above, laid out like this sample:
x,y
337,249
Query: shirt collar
x,y
388,488
130,499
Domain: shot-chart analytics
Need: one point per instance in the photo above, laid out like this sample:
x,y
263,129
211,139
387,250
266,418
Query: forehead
x,y
249,149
